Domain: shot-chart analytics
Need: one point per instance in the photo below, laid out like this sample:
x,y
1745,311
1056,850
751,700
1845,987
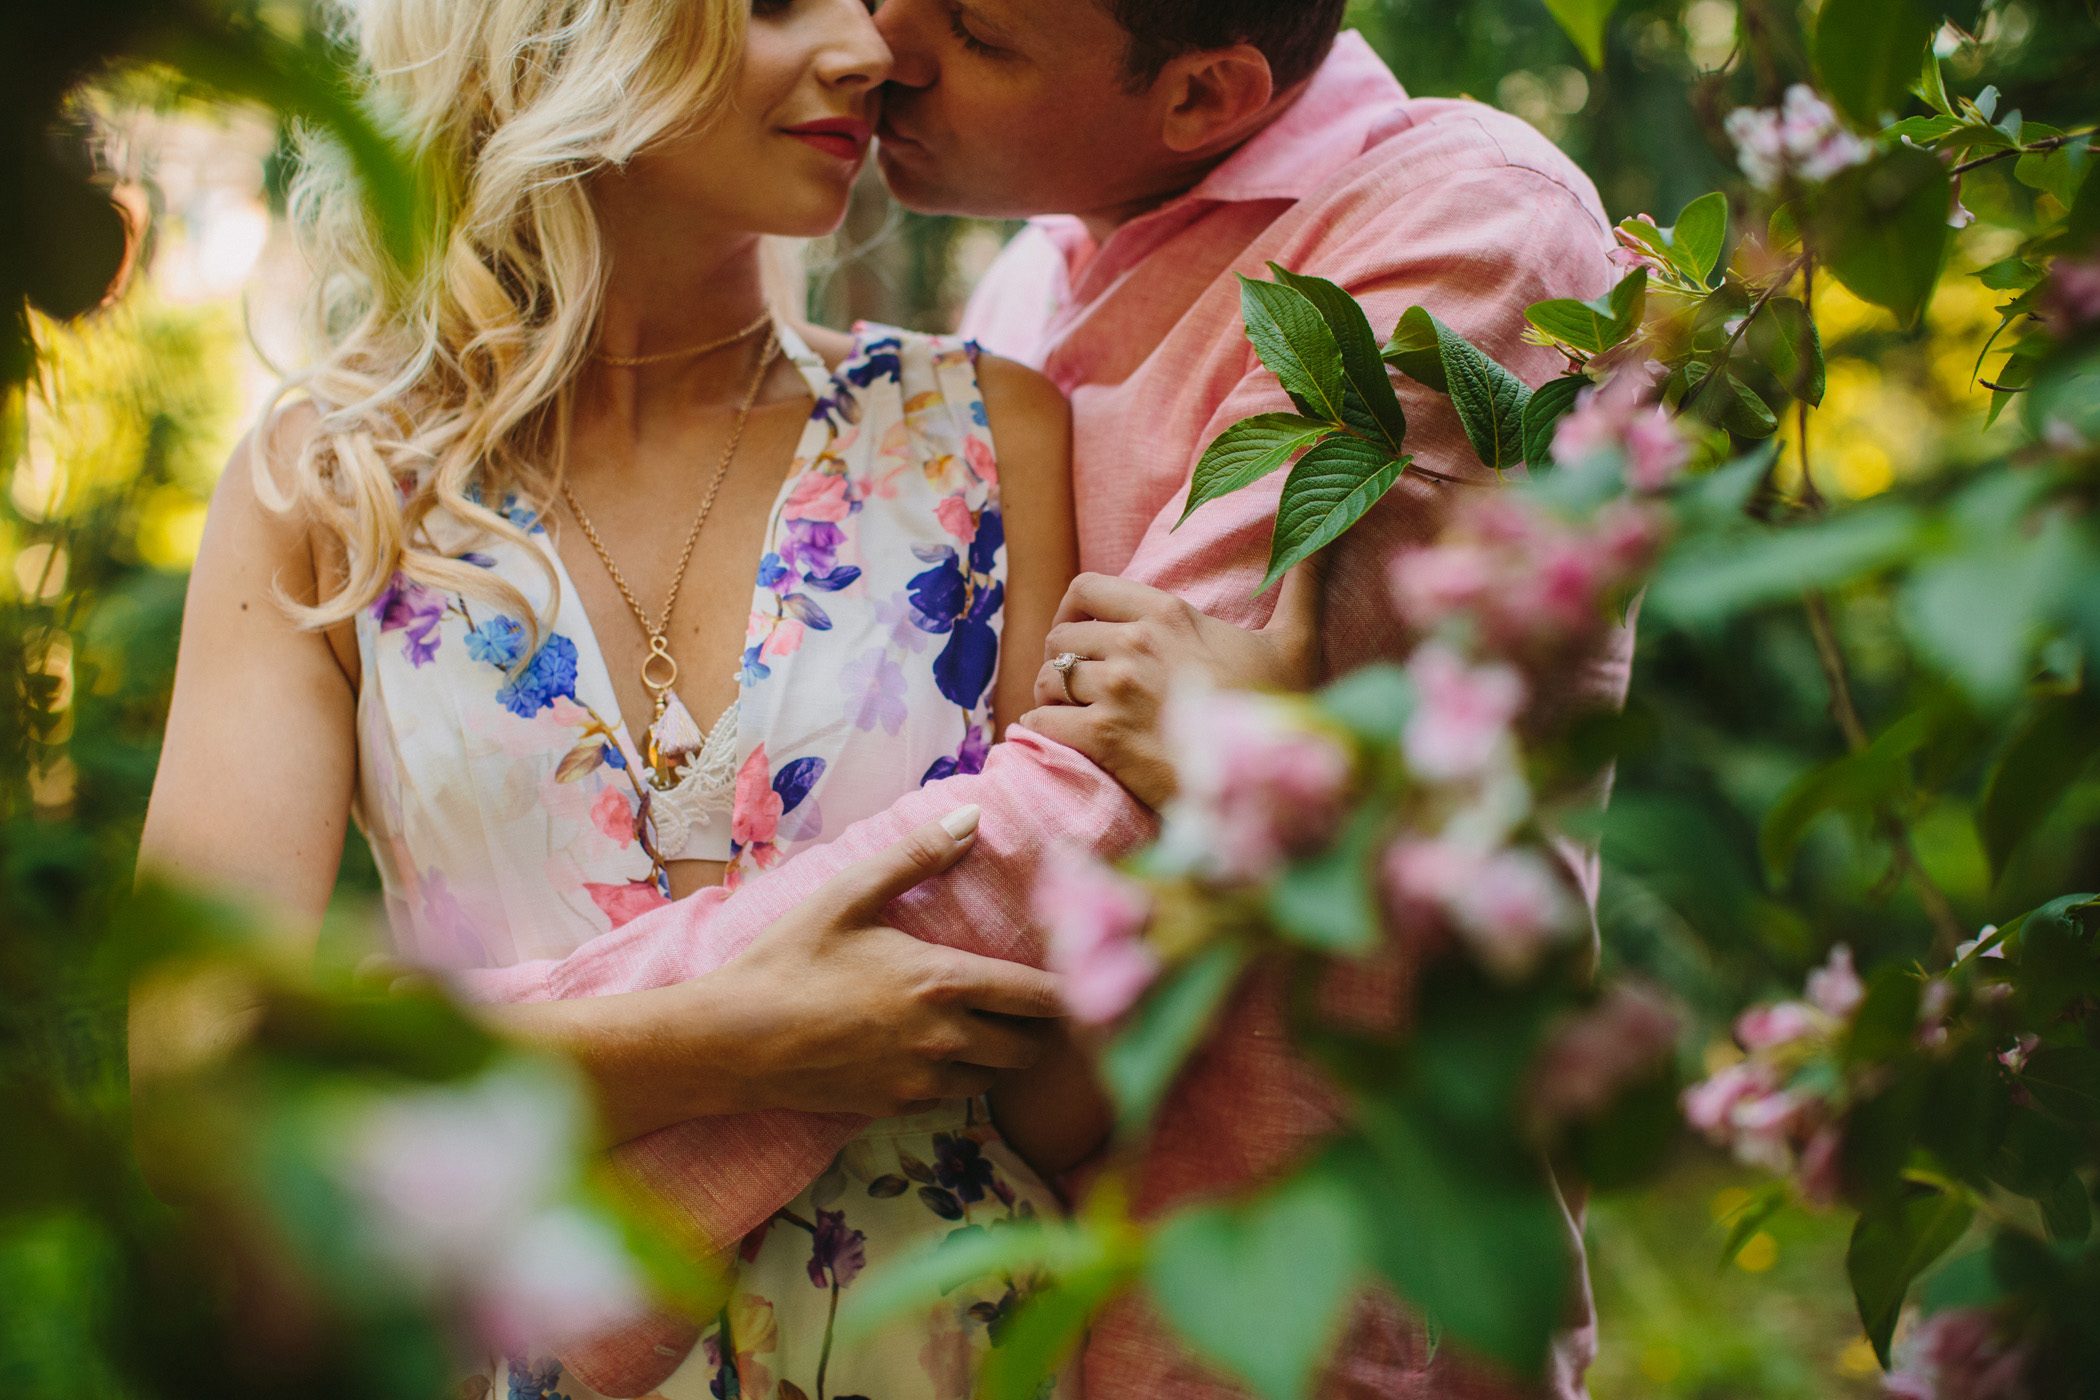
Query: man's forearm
x,y
1036,796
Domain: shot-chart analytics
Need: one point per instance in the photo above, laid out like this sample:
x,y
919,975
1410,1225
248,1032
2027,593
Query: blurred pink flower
x,y
1258,784
1514,911
563,1277
1822,1166
1835,987
1628,1035
1781,1023
1803,139
1095,917
613,815
1763,1128
1656,450
1462,713
1960,1354
2073,293
1710,1104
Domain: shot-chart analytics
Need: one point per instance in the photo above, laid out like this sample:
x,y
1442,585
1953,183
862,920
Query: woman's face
x,y
782,156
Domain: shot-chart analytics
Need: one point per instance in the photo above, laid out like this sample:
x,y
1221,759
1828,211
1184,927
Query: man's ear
x,y
1211,96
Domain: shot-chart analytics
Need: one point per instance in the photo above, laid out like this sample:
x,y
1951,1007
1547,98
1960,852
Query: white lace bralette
x,y
692,819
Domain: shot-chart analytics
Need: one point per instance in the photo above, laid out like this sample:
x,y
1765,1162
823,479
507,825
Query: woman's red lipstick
x,y
844,137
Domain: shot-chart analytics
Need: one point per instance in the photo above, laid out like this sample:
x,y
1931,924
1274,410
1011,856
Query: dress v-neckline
x,y
593,672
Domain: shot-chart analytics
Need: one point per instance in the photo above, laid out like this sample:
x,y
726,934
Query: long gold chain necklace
x,y
659,669
690,353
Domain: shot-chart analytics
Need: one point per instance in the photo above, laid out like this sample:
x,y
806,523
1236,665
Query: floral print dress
x,y
503,799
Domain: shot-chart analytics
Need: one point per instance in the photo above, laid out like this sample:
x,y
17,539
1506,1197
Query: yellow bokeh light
x,y
1728,1203
171,526
1759,1254
1858,1360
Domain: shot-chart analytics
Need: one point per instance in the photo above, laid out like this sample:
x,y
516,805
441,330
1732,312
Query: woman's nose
x,y
854,53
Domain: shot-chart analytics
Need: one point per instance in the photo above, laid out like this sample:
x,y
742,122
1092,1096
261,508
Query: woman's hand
x,y
1135,640
828,1011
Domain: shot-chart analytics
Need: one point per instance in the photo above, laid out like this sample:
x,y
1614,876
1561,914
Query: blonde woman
x,y
586,582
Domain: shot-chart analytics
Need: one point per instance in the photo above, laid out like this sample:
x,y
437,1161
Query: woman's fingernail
x,y
962,822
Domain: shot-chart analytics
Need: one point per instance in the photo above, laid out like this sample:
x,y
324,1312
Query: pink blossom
x,y
1257,783
1462,714
818,496
1709,1105
1431,872
1784,1023
1803,140
1094,917
562,1277
1961,1354
1624,1038
613,814
1835,987
1763,1128
758,808
1822,1166
1656,451
623,904
956,518
1431,584
784,640
2073,293
2015,1059
1515,911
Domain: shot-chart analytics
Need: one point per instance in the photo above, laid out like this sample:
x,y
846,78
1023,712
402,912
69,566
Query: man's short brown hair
x,y
1294,34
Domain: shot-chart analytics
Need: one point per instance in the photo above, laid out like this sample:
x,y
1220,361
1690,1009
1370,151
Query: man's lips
x,y
844,137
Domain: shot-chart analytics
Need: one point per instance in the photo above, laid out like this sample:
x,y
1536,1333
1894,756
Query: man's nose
x,y
910,28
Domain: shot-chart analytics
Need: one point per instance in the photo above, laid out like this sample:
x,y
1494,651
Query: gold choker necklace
x,y
694,353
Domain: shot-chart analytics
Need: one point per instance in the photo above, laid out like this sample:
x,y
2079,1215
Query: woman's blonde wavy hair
x,y
442,390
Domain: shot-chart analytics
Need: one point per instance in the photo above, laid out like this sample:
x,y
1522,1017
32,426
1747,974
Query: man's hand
x,y
1135,641
838,1013
828,1011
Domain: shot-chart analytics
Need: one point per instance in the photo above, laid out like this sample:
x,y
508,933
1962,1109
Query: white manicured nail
x,y
961,822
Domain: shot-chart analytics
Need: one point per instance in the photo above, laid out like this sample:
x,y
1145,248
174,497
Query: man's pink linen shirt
x,y
1443,203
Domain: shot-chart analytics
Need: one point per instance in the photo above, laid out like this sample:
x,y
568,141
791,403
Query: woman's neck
x,y
664,294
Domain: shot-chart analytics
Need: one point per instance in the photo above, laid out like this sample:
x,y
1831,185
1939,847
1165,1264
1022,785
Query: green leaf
x,y
1246,452
1553,401
1856,782
2065,1081
1141,1063
2013,274
1595,326
1695,242
1585,21
1489,399
1891,1245
2067,1211
1475,1239
1785,341
1369,403
1044,1333
1372,703
1729,403
1754,1215
1327,492
931,1270
1979,613
1886,1023
1885,233
1709,580
1327,902
2045,756
2059,172
1870,51
1261,1288
1294,342
1931,87
1923,129
1417,351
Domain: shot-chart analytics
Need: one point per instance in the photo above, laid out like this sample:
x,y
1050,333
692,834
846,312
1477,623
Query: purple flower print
x,y
960,1165
965,666
550,675
535,1380
794,780
879,359
968,759
498,641
902,621
836,1250
991,537
754,670
412,608
874,688
940,594
844,576
812,546
774,574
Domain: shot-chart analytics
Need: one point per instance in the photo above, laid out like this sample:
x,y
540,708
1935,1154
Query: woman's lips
x,y
845,138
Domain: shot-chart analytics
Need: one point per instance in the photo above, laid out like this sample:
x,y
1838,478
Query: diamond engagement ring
x,y
1063,663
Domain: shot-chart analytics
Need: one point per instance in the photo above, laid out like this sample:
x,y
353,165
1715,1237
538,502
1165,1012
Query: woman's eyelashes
x,y
766,9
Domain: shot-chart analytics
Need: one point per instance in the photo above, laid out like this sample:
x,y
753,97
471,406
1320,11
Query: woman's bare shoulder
x,y
1026,410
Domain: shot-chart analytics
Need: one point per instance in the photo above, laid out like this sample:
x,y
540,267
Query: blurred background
x,y
102,504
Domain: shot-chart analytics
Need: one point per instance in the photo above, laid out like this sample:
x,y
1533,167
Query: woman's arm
x,y
1032,427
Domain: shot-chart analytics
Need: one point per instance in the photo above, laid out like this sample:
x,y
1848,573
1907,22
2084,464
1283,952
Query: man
x,y
1178,142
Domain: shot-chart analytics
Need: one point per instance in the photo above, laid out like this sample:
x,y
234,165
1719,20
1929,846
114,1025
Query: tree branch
x,y
2046,144
1735,338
